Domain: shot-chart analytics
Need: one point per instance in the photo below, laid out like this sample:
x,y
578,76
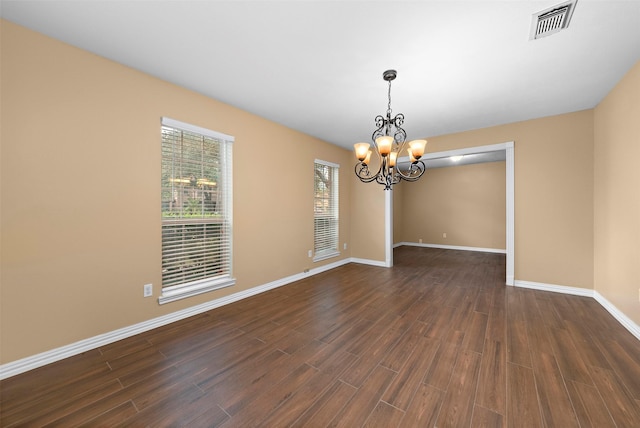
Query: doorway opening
x,y
505,150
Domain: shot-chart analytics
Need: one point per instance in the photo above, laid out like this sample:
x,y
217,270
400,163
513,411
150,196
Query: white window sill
x,y
325,256
171,294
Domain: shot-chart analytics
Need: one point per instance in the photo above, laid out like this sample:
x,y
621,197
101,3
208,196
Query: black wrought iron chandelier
x,y
390,141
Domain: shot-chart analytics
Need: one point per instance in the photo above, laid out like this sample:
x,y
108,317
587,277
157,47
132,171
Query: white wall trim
x,y
369,262
453,247
511,216
469,150
29,363
388,228
575,291
624,320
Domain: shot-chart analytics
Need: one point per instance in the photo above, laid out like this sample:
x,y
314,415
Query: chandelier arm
x,y
416,169
398,120
386,179
400,136
381,123
390,179
401,147
381,160
363,173
381,178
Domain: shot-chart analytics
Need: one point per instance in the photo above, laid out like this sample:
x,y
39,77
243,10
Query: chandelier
x,y
390,141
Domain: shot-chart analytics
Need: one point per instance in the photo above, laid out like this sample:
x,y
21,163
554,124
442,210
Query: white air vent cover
x,y
551,20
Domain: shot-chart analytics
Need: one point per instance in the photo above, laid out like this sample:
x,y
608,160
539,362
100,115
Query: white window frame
x,y
180,291
333,236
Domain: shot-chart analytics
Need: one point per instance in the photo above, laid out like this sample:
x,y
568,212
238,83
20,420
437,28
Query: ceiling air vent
x,y
551,20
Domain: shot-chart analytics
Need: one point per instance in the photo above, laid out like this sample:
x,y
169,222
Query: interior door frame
x,y
508,147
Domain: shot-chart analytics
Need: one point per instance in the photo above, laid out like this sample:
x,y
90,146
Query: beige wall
x,y
617,196
367,220
553,194
80,195
468,203
80,176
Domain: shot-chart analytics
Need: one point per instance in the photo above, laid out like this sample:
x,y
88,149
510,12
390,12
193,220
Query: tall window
x,y
325,205
196,210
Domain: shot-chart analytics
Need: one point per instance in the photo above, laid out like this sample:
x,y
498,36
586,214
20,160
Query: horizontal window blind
x,y
196,207
326,199
192,251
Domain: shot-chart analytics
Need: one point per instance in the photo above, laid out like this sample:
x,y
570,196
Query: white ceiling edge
x,y
316,66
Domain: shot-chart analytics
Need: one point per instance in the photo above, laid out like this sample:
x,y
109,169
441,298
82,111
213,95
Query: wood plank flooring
x,y
438,340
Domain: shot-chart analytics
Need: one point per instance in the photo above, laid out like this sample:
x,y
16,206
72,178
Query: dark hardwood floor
x,y
438,340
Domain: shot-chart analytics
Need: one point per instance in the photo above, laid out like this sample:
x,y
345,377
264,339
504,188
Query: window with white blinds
x,y
196,210
325,208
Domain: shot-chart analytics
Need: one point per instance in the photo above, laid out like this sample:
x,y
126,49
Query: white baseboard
x,y
29,363
453,247
576,291
378,263
32,362
622,318
586,292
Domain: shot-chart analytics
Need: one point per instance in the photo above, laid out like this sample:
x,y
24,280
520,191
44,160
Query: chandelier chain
x,y
389,104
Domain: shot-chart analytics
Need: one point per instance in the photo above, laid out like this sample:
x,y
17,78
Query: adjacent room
x,y
189,237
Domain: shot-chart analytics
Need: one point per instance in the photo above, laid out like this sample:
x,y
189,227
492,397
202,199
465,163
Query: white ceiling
x,y
316,66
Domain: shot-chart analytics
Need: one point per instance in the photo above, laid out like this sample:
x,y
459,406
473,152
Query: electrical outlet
x,y
310,253
344,246
148,290
444,235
